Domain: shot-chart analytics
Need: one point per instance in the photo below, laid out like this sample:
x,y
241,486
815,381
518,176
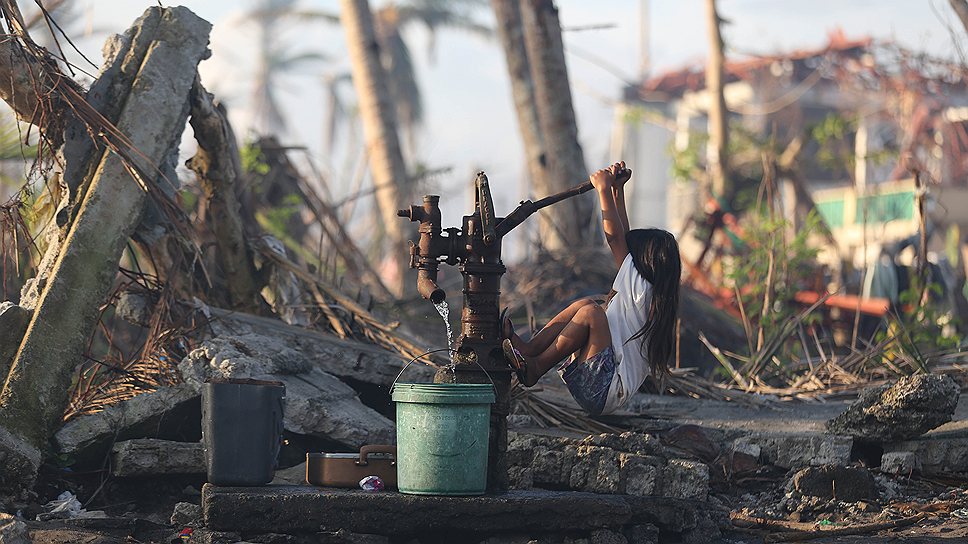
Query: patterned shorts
x,y
589,380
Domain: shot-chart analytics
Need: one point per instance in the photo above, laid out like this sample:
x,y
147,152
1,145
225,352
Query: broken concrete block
x,y
848,484
799,450
936,454
317,403
344,359
595,469
909,408
149,414
12,530
152,457
899,462
187,514
171,41
638,474
13,325
684,479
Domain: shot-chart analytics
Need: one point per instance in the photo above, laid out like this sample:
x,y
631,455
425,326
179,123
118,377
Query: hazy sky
x,y
470,121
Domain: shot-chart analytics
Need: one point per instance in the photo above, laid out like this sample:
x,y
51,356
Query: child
x,y
613,347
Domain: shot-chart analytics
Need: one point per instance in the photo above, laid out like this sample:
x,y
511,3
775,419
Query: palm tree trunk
x,y
380,133
961,10
718,135
511,34
564,163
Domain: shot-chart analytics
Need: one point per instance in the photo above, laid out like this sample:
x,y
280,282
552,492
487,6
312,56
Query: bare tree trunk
x,y
380,132
718,133
564,163
218,167
511,33
961,9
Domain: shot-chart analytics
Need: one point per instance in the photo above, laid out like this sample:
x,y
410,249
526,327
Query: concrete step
x,y
304,509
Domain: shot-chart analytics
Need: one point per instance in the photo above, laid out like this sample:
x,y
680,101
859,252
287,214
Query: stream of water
x,y
444,310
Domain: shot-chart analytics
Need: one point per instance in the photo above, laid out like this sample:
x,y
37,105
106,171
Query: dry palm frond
x,y
548,413
346,317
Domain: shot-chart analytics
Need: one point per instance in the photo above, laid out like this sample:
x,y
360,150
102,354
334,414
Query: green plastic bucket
x,y
442,437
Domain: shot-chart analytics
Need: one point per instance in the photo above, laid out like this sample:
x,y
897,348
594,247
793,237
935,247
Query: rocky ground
x,y
890,466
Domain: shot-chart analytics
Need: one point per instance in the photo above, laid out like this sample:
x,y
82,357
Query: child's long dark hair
x,y
655,255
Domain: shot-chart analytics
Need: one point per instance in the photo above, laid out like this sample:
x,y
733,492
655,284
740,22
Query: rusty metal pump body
x,y
476,248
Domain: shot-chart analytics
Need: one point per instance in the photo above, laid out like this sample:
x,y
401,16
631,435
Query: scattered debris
x,y
151,121
909,408
629,463
13,530
66,506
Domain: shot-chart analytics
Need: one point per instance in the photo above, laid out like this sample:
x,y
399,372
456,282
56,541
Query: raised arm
x,y
603,181
622,175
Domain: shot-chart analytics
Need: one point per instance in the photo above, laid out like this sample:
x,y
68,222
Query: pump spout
x,y
427,286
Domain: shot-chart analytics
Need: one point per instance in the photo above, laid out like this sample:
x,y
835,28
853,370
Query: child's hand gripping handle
x,y
527,207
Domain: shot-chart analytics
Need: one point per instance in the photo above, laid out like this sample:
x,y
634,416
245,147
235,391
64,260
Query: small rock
x,y
848,484
13,530
899,462
910,407
744,445
187,514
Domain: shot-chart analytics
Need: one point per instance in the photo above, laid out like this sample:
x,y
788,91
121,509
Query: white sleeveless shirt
x,y
627,313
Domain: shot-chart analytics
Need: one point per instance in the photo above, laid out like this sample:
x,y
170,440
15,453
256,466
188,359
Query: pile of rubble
x,y
628,463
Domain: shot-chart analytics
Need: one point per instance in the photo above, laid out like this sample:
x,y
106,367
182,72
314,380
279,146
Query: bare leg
x,y
543,338
587,334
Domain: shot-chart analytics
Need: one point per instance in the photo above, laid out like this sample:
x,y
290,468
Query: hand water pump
x,y
475,248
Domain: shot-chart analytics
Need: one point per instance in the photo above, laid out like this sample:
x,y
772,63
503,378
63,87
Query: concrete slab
x,y
304,509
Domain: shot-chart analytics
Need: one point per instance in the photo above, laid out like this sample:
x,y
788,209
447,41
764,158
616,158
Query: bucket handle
x,y
406,366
